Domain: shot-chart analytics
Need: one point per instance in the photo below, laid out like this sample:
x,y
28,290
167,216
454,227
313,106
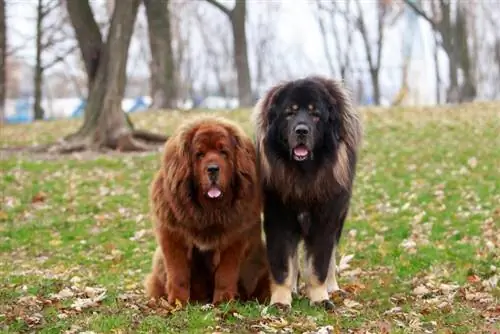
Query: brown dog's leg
x,y
156,280
227,273
176,257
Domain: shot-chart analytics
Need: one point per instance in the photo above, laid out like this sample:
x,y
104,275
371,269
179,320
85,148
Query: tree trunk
x,y
3,56
376,86
436,68
238,17
88,36
468,90
105,124
38,110
163,83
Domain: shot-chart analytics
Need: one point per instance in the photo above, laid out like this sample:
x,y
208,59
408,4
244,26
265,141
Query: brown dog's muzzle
x,y
213,172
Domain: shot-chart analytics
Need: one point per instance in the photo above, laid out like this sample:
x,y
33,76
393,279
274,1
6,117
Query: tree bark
x,y
436,69
3,58
105,124
374,75
237,17
454,38
38,79
88,36
164,85
373,64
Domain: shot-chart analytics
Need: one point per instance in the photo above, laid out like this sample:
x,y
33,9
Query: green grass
x,y
425,175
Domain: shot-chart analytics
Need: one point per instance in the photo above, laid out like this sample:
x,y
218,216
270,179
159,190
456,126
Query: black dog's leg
x,y
282,237
320,246
331,279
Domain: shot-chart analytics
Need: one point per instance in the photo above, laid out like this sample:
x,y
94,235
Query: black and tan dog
x,y
308,135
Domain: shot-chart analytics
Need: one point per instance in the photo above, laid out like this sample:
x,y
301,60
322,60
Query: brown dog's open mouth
x,y
214,192
300,153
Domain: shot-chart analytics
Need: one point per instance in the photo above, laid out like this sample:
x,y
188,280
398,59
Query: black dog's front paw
x,y
326,304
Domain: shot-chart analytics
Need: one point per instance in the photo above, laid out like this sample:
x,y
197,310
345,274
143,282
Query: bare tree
x,y
218,53
164,85
105,124
50,34
3,58
262,41
334,22
373,51
237,18
184,24
449,20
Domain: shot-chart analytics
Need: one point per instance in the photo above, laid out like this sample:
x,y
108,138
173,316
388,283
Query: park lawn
x,y
421,247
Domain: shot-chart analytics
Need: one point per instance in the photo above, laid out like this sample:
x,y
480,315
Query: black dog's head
x,y
302,121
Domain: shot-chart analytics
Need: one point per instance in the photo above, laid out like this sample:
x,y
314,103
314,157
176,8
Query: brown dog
x,y
206,202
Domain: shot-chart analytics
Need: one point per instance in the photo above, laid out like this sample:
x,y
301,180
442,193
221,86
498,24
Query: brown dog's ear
x,y
178,172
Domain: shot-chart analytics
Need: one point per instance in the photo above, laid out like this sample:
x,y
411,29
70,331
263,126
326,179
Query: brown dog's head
x,y
212,155
210,160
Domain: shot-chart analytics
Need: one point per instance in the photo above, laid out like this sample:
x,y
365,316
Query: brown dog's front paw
x,y
221,296
176,294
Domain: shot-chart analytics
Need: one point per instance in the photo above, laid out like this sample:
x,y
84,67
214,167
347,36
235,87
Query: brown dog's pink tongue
x,y
300,151
214,192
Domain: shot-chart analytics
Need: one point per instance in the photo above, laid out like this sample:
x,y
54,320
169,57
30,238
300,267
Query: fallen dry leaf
x,y
344,262
473,279
351,303
420,290
39,197
63,294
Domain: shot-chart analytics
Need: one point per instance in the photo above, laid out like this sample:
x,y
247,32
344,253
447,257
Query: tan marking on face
x,y
295,107
311,107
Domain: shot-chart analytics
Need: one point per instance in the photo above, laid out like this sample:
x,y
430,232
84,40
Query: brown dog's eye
x,y
224,153
200,155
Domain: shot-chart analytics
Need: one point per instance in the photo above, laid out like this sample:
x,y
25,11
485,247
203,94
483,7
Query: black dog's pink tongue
x,y
214,192
300,151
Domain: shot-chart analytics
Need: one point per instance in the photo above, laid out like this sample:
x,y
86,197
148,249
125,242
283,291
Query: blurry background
x,y
388,52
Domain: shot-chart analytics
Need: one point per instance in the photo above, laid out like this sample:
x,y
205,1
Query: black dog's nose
x,y
301,130
212,169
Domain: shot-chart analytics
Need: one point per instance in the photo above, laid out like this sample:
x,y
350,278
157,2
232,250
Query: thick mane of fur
x,y
173,201
289,182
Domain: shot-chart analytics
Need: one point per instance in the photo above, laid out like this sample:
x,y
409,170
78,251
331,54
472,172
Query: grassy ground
x,y
423,233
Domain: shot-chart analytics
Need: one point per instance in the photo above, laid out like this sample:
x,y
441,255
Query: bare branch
x,y
60,58
221,7
421,13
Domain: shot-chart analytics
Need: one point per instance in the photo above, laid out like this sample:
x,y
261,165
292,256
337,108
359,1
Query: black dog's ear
x,y
335,122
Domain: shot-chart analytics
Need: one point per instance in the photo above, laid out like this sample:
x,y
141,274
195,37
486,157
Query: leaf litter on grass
x,y
406,201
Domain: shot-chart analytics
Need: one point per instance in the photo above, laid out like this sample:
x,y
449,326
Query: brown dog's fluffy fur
x,y
209,250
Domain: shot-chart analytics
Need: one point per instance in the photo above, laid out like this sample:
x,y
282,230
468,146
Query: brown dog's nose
x,y
213,169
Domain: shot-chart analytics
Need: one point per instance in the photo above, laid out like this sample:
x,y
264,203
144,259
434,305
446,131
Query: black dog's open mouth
x,y
300,153
214,192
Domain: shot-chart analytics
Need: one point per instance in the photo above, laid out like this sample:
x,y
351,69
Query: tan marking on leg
x,y
282,293
331,279
316,291
295,273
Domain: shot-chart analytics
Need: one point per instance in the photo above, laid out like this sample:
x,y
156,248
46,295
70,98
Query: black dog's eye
x,y
200,155
289,112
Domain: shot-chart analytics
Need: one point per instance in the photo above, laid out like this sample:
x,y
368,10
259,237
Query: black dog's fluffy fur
x,y
308,135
